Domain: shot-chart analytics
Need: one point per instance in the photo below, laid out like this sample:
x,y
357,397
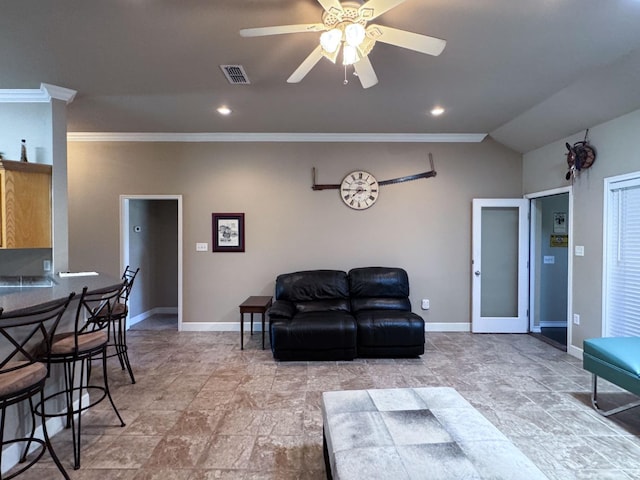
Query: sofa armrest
x,y
282,309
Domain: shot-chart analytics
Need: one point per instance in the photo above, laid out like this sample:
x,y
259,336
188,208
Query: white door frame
x,y
533,259
125,228
518,323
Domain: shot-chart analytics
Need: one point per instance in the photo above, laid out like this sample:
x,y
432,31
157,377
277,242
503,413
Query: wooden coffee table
x,y
254,304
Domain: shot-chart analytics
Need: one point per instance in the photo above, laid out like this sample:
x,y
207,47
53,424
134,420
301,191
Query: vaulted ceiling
x,y
525,72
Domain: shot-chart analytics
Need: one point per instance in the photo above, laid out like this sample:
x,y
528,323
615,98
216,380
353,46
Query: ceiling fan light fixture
x,y
349,55
354,34
330,40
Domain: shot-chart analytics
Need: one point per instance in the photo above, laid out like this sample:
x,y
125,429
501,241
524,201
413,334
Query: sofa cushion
x,y
379,288
327,305
378,282
389,328
314,335
282,309
380,303
312,285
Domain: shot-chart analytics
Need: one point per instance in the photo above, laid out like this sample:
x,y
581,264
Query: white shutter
x,y
622,297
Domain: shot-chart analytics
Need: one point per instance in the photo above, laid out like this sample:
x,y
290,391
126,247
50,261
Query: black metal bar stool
x,y
75,350
118,325
24,335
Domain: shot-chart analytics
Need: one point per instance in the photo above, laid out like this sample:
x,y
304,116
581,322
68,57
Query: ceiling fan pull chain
x,y
345,76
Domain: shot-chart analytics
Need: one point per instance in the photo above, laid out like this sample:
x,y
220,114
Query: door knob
x,y
477,273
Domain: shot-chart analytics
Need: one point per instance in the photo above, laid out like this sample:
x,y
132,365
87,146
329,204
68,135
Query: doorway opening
x,y
151,238
550,266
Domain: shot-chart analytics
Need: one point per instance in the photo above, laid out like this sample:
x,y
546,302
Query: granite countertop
x,y
30,291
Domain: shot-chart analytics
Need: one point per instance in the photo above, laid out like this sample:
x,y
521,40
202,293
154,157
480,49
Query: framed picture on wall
x,y
228,232
559,222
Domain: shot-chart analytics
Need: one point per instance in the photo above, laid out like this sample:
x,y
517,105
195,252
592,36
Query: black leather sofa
x,y
334,315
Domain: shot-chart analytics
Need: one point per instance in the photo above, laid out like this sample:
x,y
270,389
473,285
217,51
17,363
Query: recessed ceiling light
x,y
224,110
437,111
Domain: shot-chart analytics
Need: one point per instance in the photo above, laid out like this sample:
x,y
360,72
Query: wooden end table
x,y
254,304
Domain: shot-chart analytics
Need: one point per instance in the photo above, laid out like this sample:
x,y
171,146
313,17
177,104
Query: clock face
x,y
359,190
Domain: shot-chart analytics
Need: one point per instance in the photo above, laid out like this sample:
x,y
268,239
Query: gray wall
x,y
545,168
423,226
155,250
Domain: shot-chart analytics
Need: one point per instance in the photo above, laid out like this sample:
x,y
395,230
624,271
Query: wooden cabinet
x,y
25,205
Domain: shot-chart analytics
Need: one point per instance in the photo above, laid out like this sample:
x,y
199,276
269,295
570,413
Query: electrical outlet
x,y
46,265
425,304
576,319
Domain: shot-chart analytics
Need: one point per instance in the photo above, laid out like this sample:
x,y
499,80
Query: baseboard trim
x,y
447,327
257,326
11,455
149,313
574,351
554,324
222,326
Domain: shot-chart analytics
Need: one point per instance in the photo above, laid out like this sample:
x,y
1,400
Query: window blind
x,y
622,314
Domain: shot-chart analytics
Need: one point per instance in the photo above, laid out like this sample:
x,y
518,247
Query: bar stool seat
x,y
21,375
65,343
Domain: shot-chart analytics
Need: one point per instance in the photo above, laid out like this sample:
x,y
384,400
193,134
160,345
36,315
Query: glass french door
x,y
500,257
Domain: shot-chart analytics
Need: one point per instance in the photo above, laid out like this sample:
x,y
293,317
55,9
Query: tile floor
x,y
203,409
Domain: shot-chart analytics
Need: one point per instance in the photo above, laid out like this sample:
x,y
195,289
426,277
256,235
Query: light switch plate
x,y
202,247
579,250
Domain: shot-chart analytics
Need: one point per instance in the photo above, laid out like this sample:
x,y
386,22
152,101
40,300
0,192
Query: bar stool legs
x,y
74,351
117,328
44,443
119,332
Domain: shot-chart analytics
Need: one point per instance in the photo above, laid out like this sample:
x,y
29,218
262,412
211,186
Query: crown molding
x,y
277,137
44,94
59,93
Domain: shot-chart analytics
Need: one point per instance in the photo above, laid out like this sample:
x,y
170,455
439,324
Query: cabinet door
x,y
26,207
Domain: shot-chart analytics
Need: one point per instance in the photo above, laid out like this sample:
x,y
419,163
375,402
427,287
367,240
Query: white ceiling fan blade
x,y
365,72
412,41
278,30
375,8
331,6
306,66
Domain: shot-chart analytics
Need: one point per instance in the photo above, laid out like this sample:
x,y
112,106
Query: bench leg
x,y
613,411
325,451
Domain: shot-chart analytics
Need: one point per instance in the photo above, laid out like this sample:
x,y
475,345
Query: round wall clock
x,y
359,190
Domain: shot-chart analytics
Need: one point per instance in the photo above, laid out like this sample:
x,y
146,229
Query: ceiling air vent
x,y
235,74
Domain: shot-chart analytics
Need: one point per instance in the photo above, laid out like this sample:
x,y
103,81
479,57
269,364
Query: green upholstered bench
x,y
617,360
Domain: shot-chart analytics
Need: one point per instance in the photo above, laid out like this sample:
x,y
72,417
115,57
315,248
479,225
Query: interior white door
x,y
500,257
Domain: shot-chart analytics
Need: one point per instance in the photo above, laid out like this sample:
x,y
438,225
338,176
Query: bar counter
x,y
38,290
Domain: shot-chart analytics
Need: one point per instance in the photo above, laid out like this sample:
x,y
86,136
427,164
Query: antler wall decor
x,y
580,156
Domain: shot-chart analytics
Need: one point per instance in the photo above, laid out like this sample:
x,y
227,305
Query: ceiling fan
x,y
346,28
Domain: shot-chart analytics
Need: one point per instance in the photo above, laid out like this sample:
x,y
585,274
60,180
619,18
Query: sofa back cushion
x,y
315,290
379,288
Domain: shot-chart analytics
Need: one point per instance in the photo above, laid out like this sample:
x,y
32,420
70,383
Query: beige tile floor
x,y
202,409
